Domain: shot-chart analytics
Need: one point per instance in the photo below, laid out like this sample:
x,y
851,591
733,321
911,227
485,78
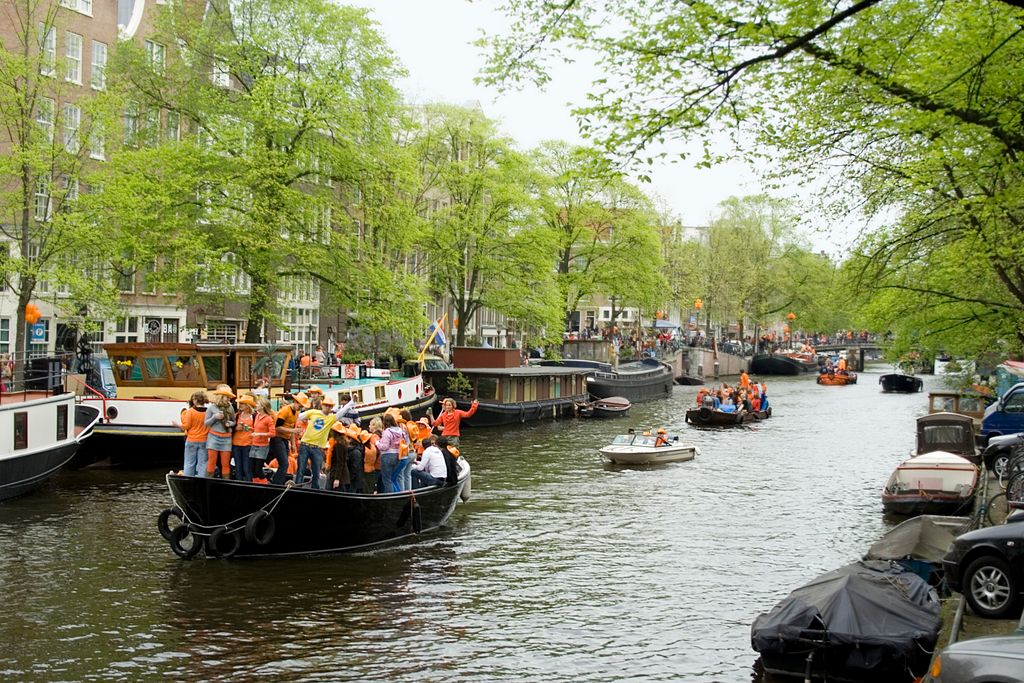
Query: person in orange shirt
x,y
241,438
262,430
194,426
284,433
449,419
744,380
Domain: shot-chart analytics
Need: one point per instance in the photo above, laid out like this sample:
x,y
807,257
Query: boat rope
x,y
206,530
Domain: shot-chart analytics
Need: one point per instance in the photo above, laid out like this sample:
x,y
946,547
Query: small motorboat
x,y
948,432
920,543
709,417
867,621
647,449
936,483
837,379
613,406
900,383
244,519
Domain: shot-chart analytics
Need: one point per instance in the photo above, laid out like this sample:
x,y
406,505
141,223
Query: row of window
x,y
73,58
21,427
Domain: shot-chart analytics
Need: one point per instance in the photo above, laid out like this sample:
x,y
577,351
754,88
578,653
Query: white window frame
x,y
97,145
73,57
43,202
219,74
72,124
80,6
172,131
44,116
5,335
98,72
47,49
156,56
70,189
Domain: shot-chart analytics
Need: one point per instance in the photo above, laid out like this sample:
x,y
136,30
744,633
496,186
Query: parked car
x,y
987,566
1005,416
997,454
995,659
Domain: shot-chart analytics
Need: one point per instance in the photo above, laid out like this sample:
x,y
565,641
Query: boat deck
x,y
22,396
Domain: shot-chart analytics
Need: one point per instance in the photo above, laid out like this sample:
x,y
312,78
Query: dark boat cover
x,y
878,618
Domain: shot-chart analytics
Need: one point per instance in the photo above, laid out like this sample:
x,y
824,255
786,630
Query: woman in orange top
x,y
371,459
241,438
449,419
220,418
262,430
192,423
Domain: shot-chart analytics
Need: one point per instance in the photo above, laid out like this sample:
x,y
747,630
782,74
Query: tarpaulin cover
x,y
926,538
875,614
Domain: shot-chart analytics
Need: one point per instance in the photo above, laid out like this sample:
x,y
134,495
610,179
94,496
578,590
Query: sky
x,y
432,38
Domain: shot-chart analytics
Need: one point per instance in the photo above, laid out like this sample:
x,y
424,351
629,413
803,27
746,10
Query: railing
x,y
33,372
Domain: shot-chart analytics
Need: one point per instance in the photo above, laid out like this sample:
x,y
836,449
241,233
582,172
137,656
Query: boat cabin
x,y
948,432
143,370
970,404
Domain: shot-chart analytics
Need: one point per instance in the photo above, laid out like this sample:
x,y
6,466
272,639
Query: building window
x,y
70,189
98,75
131,123
47,49
44,117
155,55
222,330
42,198
20,431
219,75
173,129
151,127
97,145
83,6
148,279
72,121
74,58
126,330
62,422
5,335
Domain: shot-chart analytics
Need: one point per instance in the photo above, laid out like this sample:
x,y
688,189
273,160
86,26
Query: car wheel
x,y
999,463
990,588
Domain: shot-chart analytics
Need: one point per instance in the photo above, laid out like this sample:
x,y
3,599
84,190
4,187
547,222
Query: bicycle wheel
x,y
997,509
1015,491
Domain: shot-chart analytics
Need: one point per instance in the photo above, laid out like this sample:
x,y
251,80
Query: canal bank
x,y
561,567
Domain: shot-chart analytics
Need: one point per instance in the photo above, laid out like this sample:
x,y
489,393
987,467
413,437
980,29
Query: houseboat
x,y
783,363
636,381
154,382
507,392
39,433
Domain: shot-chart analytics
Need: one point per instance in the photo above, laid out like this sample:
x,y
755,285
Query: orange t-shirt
x,y
243,430
194,425
262,424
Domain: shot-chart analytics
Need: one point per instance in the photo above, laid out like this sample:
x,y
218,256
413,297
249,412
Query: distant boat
x,y
636,381
613,406
640,449
900,383
836,379
783,363
709,417
41,432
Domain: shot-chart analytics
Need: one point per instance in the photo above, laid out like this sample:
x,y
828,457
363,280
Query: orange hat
x,y
315,390
661,430
454,451
328,401
425,421
224,390
364,436
353,431
301,399
339,428
247,400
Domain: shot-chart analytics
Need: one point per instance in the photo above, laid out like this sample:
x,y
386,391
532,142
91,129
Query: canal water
x,y
561,567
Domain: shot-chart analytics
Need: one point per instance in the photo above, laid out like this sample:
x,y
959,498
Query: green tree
x,y
914,105
48,131
289,106
484,243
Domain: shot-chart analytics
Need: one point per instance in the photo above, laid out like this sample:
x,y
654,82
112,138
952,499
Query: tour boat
x,y
936,483
39,433
155,380
837,379
243,519
709,417
783,363
900,383
640,449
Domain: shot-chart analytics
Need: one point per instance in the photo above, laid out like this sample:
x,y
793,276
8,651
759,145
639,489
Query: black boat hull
x,y
25,473
925,505
497,414
689,380
901,384
779,364
647,387
308,521
706,417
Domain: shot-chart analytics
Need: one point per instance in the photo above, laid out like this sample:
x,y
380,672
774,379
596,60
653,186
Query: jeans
x,y
279,452
400,473
243,468
195,458
388,466
422,479
406,479
315,456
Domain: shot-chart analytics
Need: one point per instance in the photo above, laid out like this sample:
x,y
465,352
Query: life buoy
x,y
704,413
466,489
260,528
224,543
178,534
163,521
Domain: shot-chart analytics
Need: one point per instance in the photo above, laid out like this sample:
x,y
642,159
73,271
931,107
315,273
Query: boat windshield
x,y
623,439
645,441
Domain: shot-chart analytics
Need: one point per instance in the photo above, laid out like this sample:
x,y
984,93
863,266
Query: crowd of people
x,y
747,396
310,441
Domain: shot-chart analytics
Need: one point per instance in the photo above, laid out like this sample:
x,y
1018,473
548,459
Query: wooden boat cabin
x,y
947,432
970,404
175,371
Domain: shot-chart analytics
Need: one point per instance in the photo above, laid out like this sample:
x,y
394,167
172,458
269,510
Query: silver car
x,y
995,659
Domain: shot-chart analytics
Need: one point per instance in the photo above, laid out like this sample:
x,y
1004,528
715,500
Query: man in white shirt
x,y
430,469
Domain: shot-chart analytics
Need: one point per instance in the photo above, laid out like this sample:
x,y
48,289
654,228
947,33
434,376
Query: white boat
x,y
640,449
936,483
155,381
39,433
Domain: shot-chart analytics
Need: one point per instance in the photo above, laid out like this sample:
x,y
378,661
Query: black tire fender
x,y
225,543
260,528
704,413
164,519
768,411
178,534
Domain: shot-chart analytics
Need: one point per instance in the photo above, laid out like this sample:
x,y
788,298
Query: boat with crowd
x,y
153,382
837,379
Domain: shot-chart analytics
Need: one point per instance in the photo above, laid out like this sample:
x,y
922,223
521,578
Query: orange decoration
x,y
32,314
791,316
698,304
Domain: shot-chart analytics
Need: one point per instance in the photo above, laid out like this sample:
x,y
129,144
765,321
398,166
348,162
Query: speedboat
x,y
936,483
642,449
